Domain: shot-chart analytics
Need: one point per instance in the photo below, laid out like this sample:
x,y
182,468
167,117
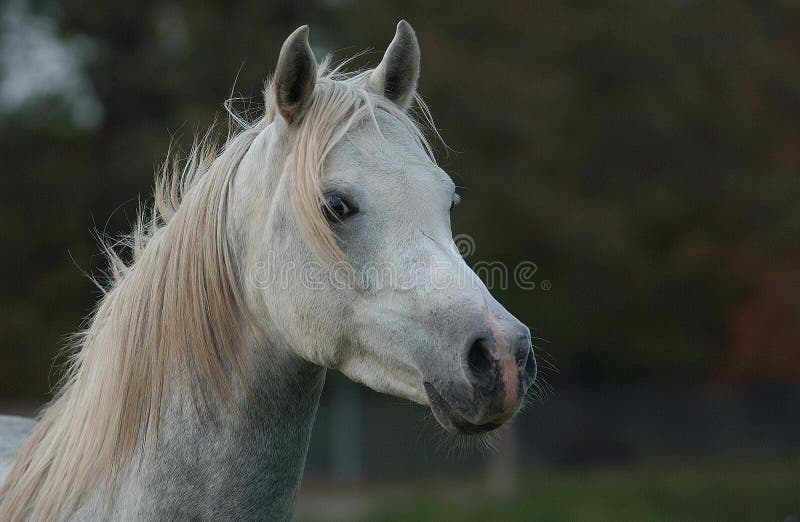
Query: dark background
x,y
644,155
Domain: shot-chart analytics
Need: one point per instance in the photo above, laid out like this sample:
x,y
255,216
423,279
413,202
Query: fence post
x,y
502,470
346,426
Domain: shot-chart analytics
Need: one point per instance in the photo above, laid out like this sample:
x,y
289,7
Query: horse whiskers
x,y
544,356
461,445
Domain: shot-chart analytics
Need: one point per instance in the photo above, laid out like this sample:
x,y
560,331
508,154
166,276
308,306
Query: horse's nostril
x,y
530,368
481,365
523,353
525,359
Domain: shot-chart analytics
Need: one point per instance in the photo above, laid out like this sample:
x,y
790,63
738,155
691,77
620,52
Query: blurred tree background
x,y
645,155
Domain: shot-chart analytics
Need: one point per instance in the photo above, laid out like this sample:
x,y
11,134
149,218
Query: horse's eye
x,y
337,208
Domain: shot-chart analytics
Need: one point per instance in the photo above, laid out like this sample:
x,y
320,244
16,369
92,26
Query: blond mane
x,y
175,313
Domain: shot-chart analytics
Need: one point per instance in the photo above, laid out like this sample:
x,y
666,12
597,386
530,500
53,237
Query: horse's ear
x,y
295,76
396,76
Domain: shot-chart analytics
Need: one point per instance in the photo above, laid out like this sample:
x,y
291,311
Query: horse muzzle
x,y
496,376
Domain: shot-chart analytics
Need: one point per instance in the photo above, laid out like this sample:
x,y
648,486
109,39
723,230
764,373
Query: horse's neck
x,y
232,467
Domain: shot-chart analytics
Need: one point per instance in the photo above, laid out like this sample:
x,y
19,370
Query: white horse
x,y
318,237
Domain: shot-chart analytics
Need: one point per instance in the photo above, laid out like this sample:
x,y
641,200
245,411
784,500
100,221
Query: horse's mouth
x,y
452,420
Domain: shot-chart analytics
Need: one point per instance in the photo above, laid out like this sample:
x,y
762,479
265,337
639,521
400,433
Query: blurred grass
x,y
752,491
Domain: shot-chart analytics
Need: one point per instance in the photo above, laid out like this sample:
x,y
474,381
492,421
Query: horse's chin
x,y
450,419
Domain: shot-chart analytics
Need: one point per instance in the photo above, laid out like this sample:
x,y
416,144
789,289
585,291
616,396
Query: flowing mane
x,y
176,311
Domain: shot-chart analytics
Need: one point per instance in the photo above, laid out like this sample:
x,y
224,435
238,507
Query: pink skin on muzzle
x,y
507,362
